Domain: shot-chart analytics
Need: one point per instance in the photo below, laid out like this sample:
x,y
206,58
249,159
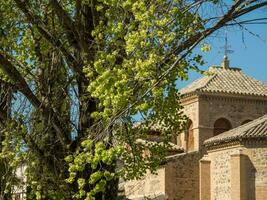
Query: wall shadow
x,y
250,180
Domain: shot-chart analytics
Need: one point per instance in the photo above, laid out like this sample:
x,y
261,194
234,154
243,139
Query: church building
x,y
224,145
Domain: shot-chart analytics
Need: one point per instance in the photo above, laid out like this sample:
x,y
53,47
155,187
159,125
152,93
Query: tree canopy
x,y
74,76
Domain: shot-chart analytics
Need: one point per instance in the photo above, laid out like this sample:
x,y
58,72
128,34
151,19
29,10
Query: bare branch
x,y
23,87
18,80
67,24
249,9
233,13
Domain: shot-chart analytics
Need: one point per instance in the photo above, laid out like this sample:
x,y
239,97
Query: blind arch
x,y
190,136
221,125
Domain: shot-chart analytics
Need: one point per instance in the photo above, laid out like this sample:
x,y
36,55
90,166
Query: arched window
x,y
190,136
221,125
246,121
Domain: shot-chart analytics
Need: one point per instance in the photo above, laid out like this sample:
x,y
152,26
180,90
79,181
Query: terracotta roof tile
x,y
256,129
232,81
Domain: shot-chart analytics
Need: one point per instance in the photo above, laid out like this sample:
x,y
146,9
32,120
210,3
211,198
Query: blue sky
x,y
250,51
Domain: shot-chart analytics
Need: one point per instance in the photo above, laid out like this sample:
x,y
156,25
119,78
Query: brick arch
x,y
221,125
190,136
246,121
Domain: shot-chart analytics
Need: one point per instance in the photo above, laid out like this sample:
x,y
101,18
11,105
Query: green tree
x,y
80,71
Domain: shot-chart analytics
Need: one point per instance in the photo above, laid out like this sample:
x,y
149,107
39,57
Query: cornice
x,y
223,146
194,96
228,97
189,99
234,144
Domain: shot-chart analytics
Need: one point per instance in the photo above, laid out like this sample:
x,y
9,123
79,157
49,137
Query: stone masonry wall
x,y
235,109
221,174
258,172
182,180
176,180
204,110
254,171
191,111
151,185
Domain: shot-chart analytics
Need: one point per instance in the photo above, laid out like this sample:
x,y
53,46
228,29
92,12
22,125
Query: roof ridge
x,y
208,82
258,81
196,81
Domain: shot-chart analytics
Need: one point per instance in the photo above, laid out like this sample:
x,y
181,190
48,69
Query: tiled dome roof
x,y
231,81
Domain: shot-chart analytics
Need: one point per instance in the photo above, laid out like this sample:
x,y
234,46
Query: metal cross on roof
x,y
227,47
227,50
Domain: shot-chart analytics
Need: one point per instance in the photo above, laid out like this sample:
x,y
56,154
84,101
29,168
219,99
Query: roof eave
x,y
224,94
230,141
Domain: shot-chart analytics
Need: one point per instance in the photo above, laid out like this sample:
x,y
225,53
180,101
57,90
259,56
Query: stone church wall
x,y
257,184
204,110
152,185
191,110
220,170
182,180
176,180
235,109
245,179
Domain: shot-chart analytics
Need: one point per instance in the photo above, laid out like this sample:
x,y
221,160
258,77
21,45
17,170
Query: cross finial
x,y
225,63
